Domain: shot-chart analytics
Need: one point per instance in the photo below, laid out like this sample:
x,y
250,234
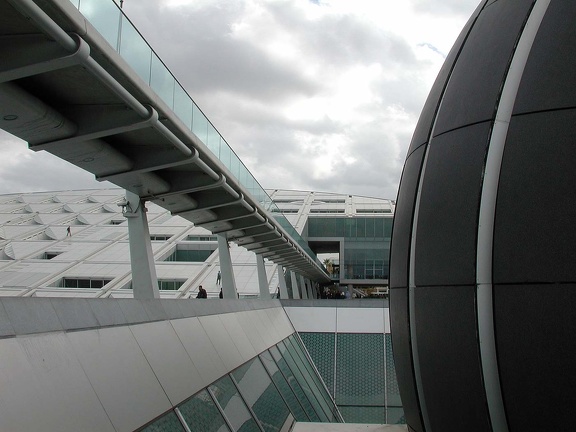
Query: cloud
x,y
313,95
23,170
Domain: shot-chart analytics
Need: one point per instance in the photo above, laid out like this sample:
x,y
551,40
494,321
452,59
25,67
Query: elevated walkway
x,y
90,90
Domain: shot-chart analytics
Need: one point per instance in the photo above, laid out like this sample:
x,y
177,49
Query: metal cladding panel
x,y
239,337
427,116
534,233
535,327
475,84
44,387
249,323
448,212
400,324
221,340
168,359
551,64
402,230
200,349
118,370
450,359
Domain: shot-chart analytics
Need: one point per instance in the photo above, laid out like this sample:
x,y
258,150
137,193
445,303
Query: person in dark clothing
x,y
202,293
221,295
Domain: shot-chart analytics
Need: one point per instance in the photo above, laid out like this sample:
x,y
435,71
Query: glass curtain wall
x,y
265,394
358,369
366,243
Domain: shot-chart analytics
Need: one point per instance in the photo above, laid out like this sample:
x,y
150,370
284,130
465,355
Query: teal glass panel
x,y
199,124
135,50
294,384
167,423
235,165
105,17
283,386
340,227
392,390
183,105
350,228
201,414
360,375
315,381
244,176
261,395
321,347
213,141
363,414
388,222
306,382
379,225
395,416
370,229
360,227
162,81
225,154
233,406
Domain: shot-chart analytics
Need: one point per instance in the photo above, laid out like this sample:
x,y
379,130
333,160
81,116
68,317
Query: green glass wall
x,y
366,243
358,369
264,394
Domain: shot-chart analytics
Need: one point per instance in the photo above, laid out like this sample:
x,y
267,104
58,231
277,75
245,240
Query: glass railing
x,y
121,34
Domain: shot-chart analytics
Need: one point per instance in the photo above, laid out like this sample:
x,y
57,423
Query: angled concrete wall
x,y
114,365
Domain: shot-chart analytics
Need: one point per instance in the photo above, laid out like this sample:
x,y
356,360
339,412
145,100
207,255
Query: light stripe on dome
x,y
491,178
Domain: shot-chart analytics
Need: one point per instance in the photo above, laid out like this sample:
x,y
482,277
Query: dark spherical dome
x,y
483,255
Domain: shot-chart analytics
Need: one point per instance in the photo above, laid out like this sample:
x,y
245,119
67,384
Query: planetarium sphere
x,y
483,254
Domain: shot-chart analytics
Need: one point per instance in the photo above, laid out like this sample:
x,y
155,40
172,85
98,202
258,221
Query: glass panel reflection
x,y
161,81
314,381
135,51
261,395
233,406
280,381
199,124
183,105
294,384
202,415
104,16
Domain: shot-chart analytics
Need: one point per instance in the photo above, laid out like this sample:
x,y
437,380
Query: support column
x,y
228,281
304,289
295,292
311,291
350,291
282,283
144,280
262,279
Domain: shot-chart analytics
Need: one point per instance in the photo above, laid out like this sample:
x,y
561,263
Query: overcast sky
x,y
311,94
